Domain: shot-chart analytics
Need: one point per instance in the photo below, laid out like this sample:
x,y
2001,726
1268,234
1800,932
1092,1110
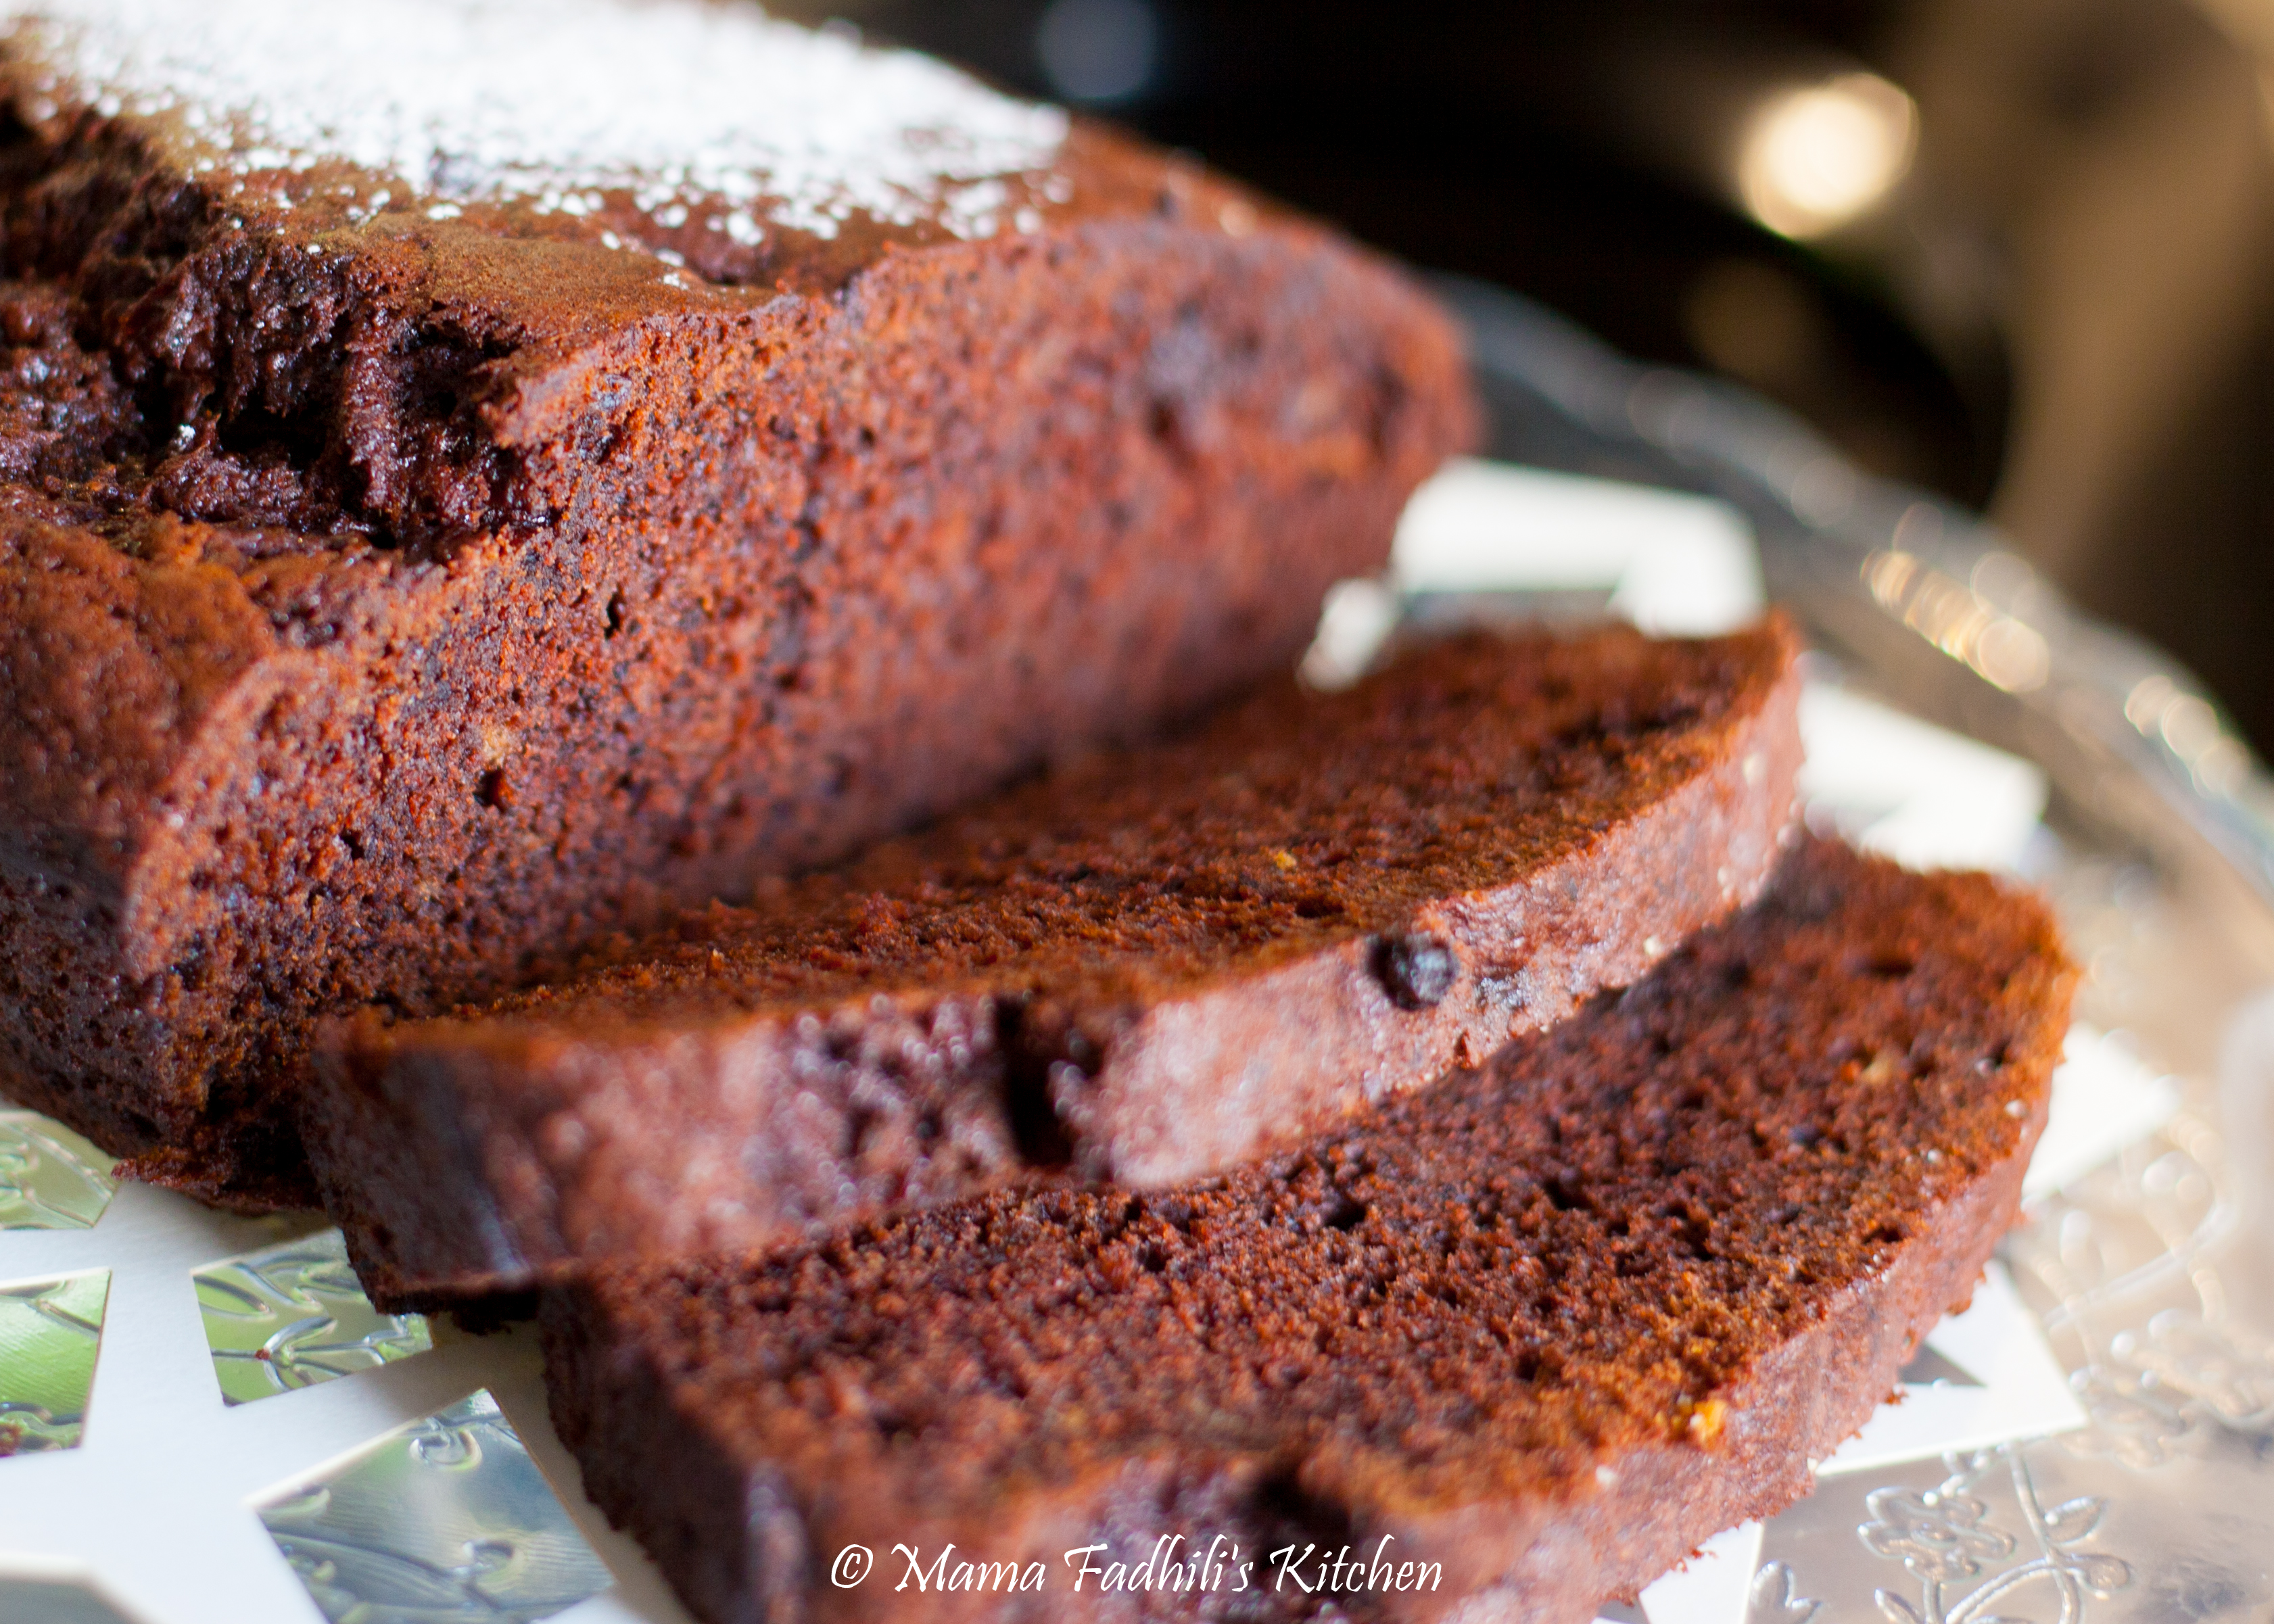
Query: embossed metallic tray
x,y
254,1445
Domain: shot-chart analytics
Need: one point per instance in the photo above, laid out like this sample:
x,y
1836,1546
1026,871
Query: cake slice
x,y
475,476
1146,966
1510,1346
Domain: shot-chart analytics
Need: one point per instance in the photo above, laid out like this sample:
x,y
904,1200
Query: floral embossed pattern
x,y
49,1333
50,1178
2132,1263
446,1519
1965,1567
291,1315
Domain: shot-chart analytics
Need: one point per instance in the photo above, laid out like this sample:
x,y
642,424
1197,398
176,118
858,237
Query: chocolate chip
x,y
1416,970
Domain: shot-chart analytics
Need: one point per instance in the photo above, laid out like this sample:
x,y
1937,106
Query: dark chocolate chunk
x,y
1416,970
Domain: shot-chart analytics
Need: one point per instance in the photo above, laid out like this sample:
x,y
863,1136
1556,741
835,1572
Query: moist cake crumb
x,y
1147,966
1549,1323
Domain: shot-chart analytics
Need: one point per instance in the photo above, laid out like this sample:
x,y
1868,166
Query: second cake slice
x,y
1496,1352
1149,965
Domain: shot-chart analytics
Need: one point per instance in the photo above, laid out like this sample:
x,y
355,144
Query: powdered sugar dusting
x,y
552,103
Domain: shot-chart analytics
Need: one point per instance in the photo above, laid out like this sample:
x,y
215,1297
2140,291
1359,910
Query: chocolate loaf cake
x,y
472,478
1149,966
1511,1346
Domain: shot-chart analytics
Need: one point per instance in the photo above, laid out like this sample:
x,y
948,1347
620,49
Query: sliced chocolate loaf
x,y
473,476
1148,966
1507,1347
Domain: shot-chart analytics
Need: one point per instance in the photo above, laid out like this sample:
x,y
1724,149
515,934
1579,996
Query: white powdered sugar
x,y
552,103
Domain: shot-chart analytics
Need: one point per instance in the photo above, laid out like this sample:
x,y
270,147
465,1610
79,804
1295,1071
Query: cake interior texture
x,y
1154,963
1544,1327
473,479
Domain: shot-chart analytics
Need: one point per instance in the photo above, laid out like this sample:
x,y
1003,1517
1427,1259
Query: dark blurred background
x,y
2019,252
